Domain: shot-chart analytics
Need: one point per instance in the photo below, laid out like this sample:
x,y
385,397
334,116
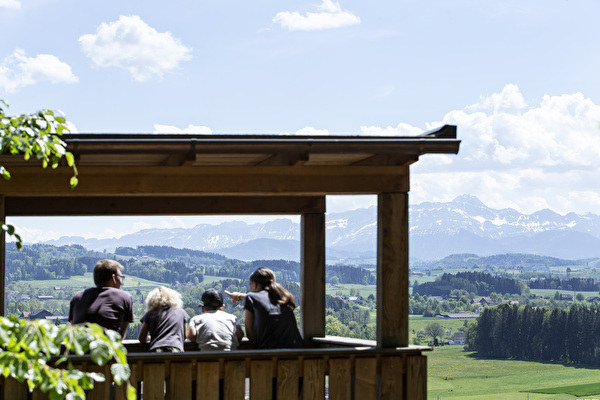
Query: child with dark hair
x,y
215,329
269,312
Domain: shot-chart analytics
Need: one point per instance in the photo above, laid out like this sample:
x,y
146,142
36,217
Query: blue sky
x,y
519,78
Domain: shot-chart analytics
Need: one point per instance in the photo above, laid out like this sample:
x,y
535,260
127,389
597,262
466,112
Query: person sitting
x,y
165,320
215,329
269,312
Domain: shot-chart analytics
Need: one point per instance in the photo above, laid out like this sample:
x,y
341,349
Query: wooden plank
x,y
180,381
339,379
288,372
234,380
2,258
393,379
101,390
121,391
207,380
314,378
416,377
312,276
37,394
153,384
261,380
166,205
365,378
13,389
180,181
392,270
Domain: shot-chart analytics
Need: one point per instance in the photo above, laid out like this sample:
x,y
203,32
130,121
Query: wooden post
x,y
312,275
392,270
2,259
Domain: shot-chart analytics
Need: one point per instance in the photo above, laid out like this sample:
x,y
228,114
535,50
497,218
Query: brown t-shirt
x,y
106,306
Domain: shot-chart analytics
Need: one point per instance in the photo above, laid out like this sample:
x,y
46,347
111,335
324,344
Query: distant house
x,y
457,316
593,299
483,301
567,297
45,297
535,296
355,299
60,287
23,297
37,314
458,338
438,298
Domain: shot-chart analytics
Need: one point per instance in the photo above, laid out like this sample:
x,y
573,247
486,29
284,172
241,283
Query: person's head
x,y
264,279
261,279
162,297
212,300
108,273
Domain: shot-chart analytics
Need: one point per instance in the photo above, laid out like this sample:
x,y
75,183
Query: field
x,y
456,374
87,280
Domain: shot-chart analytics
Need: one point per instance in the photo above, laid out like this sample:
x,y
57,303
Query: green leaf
x,y
74,181
120,373
131,393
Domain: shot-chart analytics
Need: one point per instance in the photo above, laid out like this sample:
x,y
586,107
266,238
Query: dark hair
x,y
212,299
104,270
265,278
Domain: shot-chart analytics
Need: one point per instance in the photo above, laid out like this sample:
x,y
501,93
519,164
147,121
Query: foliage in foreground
x,y
29,349
34,135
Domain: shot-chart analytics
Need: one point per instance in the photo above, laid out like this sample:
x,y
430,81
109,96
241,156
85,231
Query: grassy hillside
x,y
456,374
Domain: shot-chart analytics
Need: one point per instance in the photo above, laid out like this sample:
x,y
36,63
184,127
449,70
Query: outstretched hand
x,y
235,296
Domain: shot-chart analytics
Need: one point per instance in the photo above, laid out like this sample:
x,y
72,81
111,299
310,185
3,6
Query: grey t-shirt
x,y
216,330
274,326
166,326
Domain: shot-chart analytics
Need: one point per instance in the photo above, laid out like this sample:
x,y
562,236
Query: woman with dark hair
x,y
269,312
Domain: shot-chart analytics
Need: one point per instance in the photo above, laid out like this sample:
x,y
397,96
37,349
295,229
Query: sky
x,y
519,78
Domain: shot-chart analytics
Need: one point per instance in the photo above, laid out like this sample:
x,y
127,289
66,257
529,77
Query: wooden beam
x,y
162,205
392,270
312,275
2,259
181,181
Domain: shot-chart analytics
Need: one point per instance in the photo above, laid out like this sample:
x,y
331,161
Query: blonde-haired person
x,y
165,320
269,312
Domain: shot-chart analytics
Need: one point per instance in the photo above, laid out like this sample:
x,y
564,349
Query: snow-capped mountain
x,y
464,225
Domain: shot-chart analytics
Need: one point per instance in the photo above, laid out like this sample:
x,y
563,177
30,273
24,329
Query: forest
x,y
483,284
542,334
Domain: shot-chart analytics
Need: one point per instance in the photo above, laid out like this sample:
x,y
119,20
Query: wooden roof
x,y
244,170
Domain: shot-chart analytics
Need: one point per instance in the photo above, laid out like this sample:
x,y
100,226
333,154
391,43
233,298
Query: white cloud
x,y
203,130
18,71
310,131
330,16
513,155
10,4
400,130
131,44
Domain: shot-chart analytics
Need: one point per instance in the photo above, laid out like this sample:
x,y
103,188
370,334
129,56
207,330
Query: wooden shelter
x,y
145,174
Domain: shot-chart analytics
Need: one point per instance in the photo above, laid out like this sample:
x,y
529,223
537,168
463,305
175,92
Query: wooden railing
x,y
355,372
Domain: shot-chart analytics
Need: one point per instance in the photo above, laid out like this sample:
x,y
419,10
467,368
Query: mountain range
x,y
464,225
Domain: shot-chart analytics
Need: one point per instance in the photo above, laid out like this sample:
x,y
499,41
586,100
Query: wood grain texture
x,y
153,385
234,380
365,378
312,275
288,372
207,380
314,379
393,377
339,379
261,379
392,270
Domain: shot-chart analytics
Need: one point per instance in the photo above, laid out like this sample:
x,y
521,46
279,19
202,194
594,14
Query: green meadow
x,y
456,374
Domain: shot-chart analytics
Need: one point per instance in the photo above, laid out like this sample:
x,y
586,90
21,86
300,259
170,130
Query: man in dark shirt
x,y
106,304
